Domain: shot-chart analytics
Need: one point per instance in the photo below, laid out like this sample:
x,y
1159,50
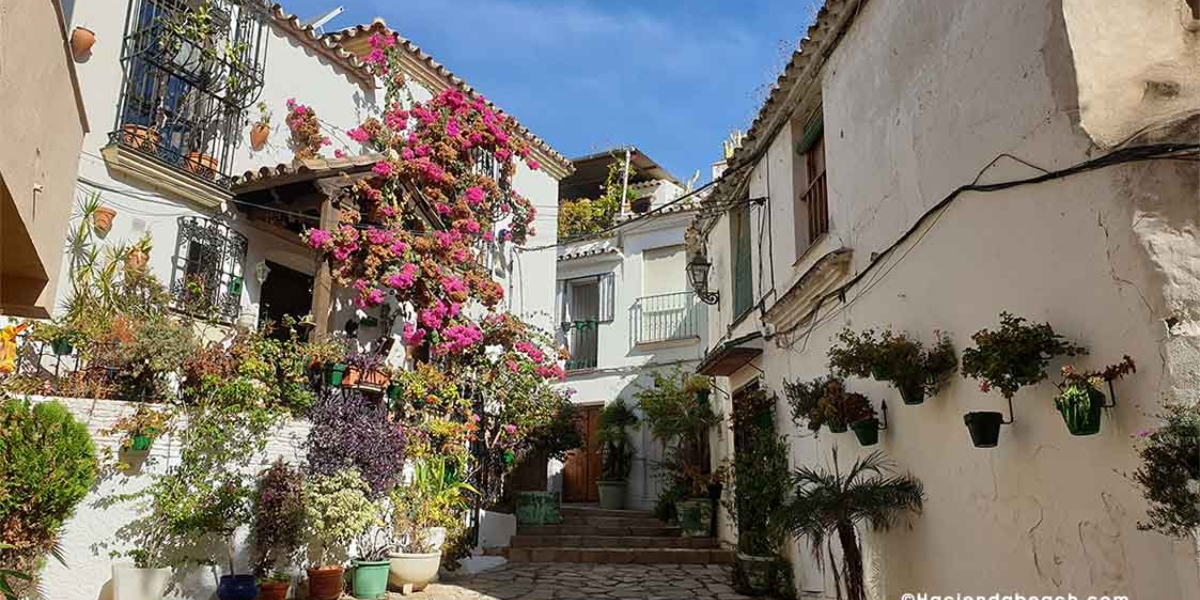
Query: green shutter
x,y
743,279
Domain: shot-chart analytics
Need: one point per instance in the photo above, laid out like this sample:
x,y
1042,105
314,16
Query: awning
x,y
727,358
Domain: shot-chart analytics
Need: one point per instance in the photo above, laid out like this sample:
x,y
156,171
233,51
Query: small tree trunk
x,y
852,564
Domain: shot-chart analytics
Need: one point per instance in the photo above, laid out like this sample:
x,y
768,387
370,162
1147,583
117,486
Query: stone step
x,y
601,541
612,522
621,555
568,510
566,529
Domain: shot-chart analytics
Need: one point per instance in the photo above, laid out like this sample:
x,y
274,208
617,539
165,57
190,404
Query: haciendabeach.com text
x,y
999,596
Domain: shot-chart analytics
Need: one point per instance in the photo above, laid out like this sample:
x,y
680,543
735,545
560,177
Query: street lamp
x,y
698,274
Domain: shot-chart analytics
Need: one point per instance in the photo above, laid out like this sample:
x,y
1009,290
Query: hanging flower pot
x,y
373,380
984,428
867,431
102,219
136,260
393,392
350,379
335,373
142,440
82,40
62,346
1080,407
641,205
837,427
141,138
258,135
201,164
912,395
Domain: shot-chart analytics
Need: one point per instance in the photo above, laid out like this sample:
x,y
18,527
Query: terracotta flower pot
x,y
374,380
141,138
350,379
273,590
325,583
102,219
82,40
136,260
258,135
201,164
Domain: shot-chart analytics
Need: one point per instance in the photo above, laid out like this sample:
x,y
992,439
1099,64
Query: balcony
x,y
583,343
666,317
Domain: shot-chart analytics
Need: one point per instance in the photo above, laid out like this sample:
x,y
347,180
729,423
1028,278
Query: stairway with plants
x,y
594,535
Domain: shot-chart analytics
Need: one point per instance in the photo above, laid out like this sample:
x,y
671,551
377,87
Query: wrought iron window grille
x,y
207,274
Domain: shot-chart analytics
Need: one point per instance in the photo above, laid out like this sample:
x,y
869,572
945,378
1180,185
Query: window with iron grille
x,y
206,278
192,69
586,303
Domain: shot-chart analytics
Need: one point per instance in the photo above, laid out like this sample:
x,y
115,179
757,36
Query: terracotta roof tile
x,y
307,35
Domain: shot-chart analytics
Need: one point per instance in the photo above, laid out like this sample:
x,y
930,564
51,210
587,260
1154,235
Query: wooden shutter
x,y
608,290
743,278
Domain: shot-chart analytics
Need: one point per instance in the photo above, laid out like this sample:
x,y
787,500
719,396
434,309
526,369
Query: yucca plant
x,y
832,502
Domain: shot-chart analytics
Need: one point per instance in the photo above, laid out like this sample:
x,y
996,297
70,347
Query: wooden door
x,y
582,469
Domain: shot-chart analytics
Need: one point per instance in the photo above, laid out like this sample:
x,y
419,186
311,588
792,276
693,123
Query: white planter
x,y
132,583
413,571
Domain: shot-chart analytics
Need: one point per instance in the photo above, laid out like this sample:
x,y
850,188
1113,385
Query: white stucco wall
x,y
93,531
918,98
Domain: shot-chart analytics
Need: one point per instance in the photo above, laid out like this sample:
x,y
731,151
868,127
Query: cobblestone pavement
x,y
548,581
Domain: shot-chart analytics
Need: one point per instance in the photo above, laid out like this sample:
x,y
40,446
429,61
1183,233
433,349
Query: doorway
x,y
582,469
285,292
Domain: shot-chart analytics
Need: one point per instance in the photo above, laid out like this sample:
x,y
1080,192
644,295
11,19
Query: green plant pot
x,y
393,392
538,508
1084,421
837,427
612,494
984,428
703,396
334,373
61,347
370,578
912,397
867,431
754,575
695,517
141,443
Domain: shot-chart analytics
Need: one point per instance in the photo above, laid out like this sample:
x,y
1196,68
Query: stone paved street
x,y
547,581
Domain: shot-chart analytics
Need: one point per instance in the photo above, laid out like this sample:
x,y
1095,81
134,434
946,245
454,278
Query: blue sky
x,y
672,77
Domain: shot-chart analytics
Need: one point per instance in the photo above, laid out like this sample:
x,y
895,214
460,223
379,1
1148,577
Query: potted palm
x,y
760,462
1012,357
833,502
680,419
277,528
337,510
1080,399
896,358
617,454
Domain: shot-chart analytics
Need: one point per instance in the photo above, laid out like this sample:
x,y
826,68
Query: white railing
x,y
666,317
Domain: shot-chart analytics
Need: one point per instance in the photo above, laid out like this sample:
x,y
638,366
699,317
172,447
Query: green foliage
x,y
825,401
831,502
1014,356
618,454
584,216
436,497
47,465
557,435
337,510
1170,472
680,419
759,469
896,358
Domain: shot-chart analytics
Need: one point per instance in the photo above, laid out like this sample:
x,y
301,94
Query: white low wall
x,y
90,535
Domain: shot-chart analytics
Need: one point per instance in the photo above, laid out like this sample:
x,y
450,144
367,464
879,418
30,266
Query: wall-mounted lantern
x,y
698,270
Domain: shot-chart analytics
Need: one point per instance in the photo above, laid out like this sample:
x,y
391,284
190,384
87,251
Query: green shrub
x,y
47,465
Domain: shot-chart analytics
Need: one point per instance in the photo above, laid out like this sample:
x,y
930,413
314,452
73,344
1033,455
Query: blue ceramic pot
x,y
237,587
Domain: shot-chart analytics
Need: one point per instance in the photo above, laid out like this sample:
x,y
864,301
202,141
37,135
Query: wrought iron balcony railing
x,y
583,343
666,317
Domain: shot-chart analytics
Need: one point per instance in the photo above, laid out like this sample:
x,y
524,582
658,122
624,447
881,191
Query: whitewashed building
x,y
845,206
624,312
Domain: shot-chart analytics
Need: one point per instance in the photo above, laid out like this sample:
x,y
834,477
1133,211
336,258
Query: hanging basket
x,y
912,395
984,428
1083,420
867,431
837,427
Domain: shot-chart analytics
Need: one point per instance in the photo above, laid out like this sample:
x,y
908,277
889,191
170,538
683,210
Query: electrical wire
x,y
934,214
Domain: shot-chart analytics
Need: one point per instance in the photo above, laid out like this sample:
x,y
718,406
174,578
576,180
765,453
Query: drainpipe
x,y
625,184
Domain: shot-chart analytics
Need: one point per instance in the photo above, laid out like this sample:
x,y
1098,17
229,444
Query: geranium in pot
x,y
277,528
367,371
1014,356
337,510
618,454
1080,398
759,471
681,420
896,358
825,401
